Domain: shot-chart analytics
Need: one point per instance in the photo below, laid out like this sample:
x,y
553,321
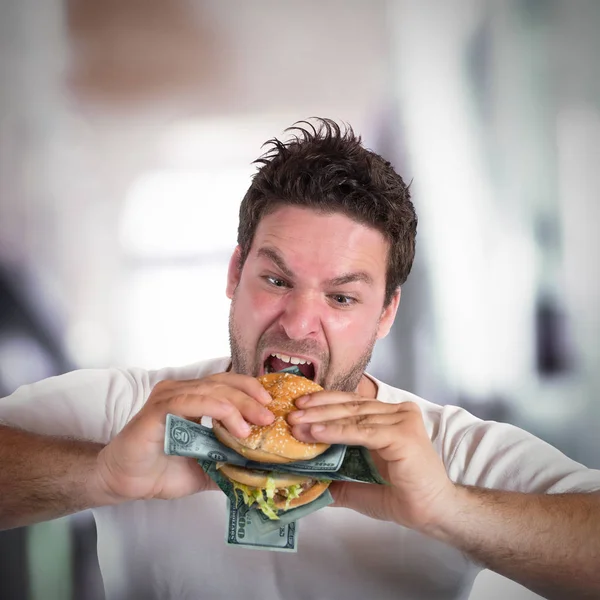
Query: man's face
x,y
311,290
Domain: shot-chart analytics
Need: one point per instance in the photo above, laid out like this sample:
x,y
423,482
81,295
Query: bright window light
x,y
171,214
177,232
175,315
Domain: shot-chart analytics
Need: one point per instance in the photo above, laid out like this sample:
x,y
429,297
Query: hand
x,y
134,466
395,434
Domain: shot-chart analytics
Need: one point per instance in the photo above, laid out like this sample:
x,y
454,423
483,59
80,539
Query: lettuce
x,y
270,488
293,491
247,492
267,505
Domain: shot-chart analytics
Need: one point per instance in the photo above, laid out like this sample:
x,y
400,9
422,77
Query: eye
x,y
276,281
342,299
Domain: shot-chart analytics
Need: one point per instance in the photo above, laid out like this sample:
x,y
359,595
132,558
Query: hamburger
x,y
274,443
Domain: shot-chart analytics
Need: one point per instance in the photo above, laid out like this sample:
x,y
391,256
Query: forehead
x,y
331,243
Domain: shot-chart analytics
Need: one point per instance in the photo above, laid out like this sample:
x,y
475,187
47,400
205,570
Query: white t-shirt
x,y
176,549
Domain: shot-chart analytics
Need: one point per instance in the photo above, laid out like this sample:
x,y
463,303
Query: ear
x,y
388,315
234,272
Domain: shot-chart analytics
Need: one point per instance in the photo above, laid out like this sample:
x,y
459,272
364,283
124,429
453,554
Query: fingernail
x,y
246,428
302,400
302,433
318,428
297,414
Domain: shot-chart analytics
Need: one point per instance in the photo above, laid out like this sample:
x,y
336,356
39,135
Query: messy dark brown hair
x,y
324,167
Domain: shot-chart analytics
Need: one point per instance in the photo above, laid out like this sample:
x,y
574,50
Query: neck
x,y
367,388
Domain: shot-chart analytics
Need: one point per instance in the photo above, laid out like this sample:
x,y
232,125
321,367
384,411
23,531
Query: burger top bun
x,y
275,443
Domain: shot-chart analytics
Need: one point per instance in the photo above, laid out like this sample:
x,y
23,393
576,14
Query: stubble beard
x,y
345,382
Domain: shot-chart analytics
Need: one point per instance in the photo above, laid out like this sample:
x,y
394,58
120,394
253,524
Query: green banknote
x,y
244,530
358,466
265,524
249,527
187,438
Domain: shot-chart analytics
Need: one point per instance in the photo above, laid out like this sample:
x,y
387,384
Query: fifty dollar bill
x,y
187,438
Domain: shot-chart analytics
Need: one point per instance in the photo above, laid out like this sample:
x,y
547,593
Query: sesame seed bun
x,y
275,443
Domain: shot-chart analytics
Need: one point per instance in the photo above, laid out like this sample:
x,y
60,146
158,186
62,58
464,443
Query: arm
x,y
44,477
549,543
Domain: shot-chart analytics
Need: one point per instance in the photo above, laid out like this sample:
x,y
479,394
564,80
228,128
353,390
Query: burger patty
x,y
282,494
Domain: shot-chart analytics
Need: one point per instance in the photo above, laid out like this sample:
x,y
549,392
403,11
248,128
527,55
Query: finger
x,y
373,437
369,420
332,412
326,397
249,385
192,405
251,410
303,431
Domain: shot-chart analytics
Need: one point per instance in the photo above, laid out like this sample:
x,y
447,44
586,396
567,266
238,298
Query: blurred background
x,y
127,129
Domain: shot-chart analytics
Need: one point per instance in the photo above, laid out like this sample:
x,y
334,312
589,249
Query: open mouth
x,y
277,362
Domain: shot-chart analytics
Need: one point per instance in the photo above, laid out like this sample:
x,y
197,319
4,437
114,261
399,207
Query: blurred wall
x,y
126,133
501,140
97,98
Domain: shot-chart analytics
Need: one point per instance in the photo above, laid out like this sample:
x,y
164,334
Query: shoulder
x,y
93,404
448,421
496,455
453,430
195,370
142,381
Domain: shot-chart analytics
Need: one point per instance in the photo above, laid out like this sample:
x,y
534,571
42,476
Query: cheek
x,y
348,332
259,307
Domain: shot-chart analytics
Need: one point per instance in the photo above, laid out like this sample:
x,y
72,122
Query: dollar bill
x,y
266,525
244,530
358,466
249,527
293,514
187,438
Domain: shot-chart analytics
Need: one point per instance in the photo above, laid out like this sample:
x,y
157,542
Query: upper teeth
x,y
292,359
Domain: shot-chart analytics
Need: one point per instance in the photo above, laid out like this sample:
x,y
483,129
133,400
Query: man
x,y
326,237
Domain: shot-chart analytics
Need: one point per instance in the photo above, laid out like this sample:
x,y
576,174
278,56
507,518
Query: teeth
x,y
292,359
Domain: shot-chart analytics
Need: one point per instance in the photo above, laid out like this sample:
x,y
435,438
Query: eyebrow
x,y
274,256
350,278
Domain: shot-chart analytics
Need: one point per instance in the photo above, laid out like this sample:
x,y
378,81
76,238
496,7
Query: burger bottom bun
x,y
258,479
306,497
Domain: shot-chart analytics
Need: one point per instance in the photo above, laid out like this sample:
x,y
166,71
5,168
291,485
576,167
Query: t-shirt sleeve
x,y
90,404
496,455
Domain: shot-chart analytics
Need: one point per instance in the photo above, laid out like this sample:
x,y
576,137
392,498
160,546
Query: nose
x,y
300,318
